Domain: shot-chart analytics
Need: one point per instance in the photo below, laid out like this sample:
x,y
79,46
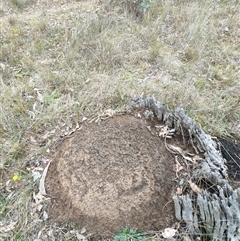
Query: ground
x,y
65,60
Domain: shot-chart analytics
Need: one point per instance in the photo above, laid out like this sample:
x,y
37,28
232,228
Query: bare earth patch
x,y
110,174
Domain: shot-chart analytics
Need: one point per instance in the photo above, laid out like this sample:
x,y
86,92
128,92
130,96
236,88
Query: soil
x,y
110,174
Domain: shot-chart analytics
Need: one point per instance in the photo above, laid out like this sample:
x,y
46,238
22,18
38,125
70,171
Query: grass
x,y
62,61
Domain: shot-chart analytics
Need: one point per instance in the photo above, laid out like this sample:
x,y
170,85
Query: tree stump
x,y
212,210
140,167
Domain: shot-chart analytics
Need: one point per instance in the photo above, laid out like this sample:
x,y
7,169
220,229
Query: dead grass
x,y
62,60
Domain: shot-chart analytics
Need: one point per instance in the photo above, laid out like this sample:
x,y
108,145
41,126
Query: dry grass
x,y
62,60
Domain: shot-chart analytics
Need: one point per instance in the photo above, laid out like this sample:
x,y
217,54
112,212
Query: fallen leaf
x,y
39,208
164,131
32,140
42,191
81,237
45,216
194,187
179,167
195,159
169,232
49,134
35,106
149,128
177,150
8,187
179,191
2,66
38,198
39,95
186,238
84,118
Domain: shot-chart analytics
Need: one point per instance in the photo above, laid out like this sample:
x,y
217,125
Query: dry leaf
x,y
194,187
45,216
149,128
169,232
51,234
8,187
165,132
35,106
179,191
2,66
38,198
177,150
31,114
84,118
195,159
39,208
42,191
107,114
179,167
32,140
77,126
49,134
39,96
186,238
81,237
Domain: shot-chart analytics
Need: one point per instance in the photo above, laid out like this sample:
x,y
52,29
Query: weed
x,y
145,4
21,4
50,98
134,6
18,236
129,234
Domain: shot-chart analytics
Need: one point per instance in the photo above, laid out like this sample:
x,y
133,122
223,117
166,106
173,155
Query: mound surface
x,y
110,174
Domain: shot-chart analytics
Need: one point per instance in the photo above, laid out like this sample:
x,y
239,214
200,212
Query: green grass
x,y
60,62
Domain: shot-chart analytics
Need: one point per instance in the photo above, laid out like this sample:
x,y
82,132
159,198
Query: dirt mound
x,y
113,173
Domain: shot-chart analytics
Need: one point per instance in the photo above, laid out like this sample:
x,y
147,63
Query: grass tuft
x,y
22,4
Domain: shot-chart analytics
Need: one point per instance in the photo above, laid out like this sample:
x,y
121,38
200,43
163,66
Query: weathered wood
x,y
214,214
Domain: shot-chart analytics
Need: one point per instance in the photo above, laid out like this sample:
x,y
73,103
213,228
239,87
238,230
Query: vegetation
x,y
61,61
129,234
